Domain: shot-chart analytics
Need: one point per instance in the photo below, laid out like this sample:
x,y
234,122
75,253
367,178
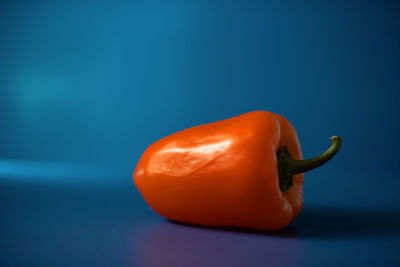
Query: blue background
x,y
85,87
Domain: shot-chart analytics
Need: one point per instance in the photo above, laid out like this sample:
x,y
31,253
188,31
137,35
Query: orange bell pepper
x,y
235,172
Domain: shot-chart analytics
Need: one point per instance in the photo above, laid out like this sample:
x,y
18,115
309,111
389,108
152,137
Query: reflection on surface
x,y
185,156
206,149
172,244
179,158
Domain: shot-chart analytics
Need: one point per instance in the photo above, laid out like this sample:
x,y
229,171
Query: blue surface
x,y
86,87
83,223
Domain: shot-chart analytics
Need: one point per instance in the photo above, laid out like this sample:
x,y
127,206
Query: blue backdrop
x,y
89,86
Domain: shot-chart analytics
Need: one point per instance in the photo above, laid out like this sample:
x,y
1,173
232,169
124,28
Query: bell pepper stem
x,y
288,166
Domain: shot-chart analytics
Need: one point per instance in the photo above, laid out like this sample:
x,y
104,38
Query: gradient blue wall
x,y
89,82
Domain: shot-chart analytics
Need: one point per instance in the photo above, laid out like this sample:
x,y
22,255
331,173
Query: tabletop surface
x,y
84,222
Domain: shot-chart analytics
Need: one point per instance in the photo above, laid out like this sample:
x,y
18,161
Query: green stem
x,y
288,166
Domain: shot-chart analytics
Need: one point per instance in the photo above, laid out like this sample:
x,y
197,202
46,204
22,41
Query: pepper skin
x,y
232,172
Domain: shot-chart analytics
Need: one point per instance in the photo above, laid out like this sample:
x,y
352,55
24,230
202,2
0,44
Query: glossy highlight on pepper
x,y
244,171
